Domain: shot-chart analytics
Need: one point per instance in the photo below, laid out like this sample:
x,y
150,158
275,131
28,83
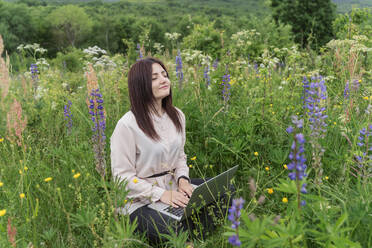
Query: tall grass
x,y
66,203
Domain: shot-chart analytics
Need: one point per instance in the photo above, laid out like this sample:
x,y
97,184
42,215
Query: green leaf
x,y
287,186
341,220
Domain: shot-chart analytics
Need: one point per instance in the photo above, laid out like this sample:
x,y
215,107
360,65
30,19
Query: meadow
x,y
296,121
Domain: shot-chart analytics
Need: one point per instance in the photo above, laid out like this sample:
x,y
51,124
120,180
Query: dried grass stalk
x,y
4,73
15,123
12,232
92,81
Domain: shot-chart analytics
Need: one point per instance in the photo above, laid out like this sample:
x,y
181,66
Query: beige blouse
x,y
135,157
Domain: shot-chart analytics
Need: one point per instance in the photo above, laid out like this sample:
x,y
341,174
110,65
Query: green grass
x,y
249,130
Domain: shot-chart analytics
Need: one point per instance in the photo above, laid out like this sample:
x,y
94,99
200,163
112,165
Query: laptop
x,y
204,193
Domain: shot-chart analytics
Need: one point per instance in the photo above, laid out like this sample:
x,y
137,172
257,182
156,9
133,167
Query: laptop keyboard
x,y
175,211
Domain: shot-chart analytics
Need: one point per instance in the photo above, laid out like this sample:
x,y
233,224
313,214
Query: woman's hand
x,y
185,187
174,198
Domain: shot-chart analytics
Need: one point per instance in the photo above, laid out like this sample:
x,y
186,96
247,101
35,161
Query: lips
x,y
164,87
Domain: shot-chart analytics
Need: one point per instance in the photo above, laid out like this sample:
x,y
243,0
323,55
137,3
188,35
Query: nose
x,y
164,79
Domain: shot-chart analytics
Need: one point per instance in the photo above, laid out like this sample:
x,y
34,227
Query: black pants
x,y
199,224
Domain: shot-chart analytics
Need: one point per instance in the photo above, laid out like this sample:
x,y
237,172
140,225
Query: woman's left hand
x,y
185,187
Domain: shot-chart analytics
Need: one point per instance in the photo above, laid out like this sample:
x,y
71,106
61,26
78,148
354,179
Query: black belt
x,y
161,174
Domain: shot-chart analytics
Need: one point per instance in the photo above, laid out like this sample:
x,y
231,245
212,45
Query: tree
x,y
311,20
72,21
204,37
15,25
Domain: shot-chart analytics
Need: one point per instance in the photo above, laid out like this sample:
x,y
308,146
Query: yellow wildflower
x,y
48,179
135,180
334,123
73,171
77,175
271,105
267,168
365,98
20,172
1,184
270,190
25,168
125,201
285,200
255,153
2,212
22,195
190,165
285,166
193,158
273,113
1,140
326,177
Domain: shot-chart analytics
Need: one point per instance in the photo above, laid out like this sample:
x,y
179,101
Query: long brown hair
x,y
142,100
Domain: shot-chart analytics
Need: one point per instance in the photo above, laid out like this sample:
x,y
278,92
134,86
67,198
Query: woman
x,y
147,150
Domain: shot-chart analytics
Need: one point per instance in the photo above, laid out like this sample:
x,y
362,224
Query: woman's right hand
x,y
174,198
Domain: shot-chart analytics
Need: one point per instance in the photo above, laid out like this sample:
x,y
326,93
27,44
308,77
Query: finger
x,y
181,200
174,205
184,200
184,192
181,191
189,193
179,203
184,203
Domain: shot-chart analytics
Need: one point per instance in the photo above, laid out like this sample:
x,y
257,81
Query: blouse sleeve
x,y
123,158
181,165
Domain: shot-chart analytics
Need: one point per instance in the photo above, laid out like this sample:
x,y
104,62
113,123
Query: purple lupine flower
x,y
316,94
303,188
140,55
234,217
347,90
68,116
256,67
226,86
299,123
234,240
96,111
365,144
215,64
179,72
297,165
289,129
355,85
34,72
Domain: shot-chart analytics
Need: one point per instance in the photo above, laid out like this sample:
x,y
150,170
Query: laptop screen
x,y
210,191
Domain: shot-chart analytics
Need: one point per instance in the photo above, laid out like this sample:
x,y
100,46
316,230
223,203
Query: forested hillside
x,y
346,5
108,24
247,5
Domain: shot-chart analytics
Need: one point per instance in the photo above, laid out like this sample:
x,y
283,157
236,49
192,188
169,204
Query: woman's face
x,y
160,82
